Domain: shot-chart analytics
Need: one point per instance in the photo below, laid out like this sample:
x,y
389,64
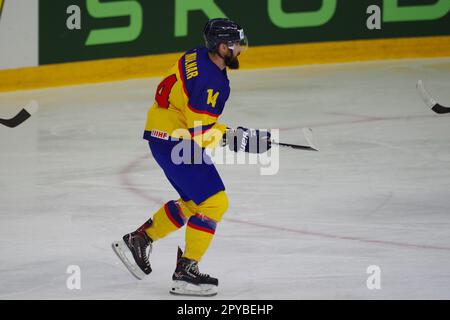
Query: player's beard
x,y
231,61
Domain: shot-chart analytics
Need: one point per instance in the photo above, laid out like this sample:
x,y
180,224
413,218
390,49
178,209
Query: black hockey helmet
x,y
223,30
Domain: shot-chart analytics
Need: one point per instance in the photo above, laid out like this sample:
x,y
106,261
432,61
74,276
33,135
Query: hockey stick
x,y
429,101
294,146
307,132
23,115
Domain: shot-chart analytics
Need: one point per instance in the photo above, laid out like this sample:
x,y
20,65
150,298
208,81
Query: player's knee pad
x,y
188,208
215,206
166,220
175,213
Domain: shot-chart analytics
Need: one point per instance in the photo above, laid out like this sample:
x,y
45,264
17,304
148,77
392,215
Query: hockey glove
x,y
247,140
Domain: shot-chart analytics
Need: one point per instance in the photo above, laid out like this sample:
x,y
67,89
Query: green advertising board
x,y
79,30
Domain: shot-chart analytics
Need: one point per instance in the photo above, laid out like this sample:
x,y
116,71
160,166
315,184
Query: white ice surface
x,y
77,176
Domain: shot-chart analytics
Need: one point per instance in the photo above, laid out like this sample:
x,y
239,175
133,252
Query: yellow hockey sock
x,y
199,234
167,219
201,227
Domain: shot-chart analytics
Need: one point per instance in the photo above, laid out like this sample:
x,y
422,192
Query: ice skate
x,y
134,250
187,280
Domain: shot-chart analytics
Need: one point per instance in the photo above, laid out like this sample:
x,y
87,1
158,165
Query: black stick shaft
x,y
295,146
18,119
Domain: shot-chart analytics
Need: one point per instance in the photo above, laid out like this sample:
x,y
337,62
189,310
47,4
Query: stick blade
x,y
440,109
17,120
32,107
308,133
429,101
22,116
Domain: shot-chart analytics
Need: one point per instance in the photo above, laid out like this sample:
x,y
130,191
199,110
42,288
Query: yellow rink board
x,y
256,57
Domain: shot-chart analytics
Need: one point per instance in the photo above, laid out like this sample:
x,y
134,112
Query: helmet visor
x,y
241,45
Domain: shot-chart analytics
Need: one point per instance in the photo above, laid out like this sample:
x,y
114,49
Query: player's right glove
x,y
247,140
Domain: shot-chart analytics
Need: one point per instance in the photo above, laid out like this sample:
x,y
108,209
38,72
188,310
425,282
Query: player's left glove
x,y
247,140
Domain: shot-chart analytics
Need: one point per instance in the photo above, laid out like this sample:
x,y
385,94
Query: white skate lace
x,y
193,266
148,251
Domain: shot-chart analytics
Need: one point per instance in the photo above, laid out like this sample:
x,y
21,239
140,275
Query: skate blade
x,y
121,249
183,288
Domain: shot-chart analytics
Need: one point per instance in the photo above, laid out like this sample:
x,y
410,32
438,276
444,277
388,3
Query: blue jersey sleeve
x,y
209,100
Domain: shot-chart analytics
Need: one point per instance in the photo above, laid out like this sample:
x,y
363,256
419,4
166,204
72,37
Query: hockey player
x,y
188,103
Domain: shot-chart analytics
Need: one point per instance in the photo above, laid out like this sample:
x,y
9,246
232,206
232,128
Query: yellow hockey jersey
x,y
189,101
